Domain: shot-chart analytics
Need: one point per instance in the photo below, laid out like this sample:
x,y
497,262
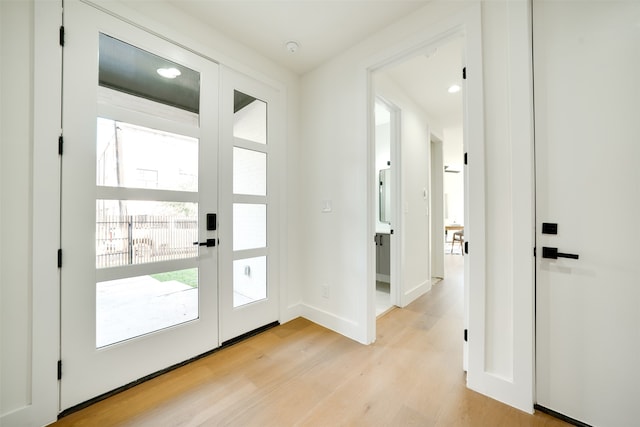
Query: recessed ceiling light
x,y
169,73
454,89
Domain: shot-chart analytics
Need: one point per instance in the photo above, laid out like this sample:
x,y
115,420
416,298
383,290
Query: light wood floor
x,y
302,374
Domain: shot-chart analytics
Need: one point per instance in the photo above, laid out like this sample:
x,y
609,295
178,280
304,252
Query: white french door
x,y
586,67
139,178
250,138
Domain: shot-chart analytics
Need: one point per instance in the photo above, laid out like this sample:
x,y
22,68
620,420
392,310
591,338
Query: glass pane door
x,y
139,175
248,296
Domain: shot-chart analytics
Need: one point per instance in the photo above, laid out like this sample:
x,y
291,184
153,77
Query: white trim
x,y
341,325
145,194
417,291
120,106
47,90
516,390
135,270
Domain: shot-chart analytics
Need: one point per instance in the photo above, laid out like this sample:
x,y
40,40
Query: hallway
x,y
302,374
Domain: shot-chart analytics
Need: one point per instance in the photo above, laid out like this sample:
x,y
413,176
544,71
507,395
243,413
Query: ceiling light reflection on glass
x,y
454,89
169,73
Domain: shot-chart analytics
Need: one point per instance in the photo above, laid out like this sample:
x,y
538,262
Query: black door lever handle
x,y
209,243
552,253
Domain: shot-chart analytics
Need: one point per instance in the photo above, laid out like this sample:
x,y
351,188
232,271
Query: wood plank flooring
x,y
300,374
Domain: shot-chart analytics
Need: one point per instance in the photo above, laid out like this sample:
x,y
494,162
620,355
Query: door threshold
x,y
560,416
249,334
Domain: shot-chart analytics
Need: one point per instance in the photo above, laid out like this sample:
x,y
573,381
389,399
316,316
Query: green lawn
x,y
188,277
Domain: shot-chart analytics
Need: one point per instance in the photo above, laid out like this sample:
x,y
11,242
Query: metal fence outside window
x,y
140,239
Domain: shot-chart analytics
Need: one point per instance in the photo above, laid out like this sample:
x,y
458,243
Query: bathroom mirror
x,y
385,195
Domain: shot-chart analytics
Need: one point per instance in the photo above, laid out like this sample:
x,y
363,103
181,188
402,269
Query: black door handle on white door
x,y
552,253
209,243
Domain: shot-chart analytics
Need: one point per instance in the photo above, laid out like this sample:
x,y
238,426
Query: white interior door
x,y
139,176
586,67
250,139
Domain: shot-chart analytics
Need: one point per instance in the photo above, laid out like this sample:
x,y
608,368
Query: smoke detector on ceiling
x,y
292,46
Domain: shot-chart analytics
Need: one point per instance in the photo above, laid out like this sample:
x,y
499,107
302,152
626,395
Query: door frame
x,y
468,24
473,178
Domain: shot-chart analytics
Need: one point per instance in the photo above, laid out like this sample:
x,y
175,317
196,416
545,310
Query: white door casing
x,y
586,66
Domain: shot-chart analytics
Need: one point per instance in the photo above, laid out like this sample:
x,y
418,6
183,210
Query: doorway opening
x,y
387,164
427,200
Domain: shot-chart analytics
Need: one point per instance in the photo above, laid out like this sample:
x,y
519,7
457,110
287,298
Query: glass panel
x,y
131,70
249,226
138,157
249,172
249,280
128,308
249,118
138,232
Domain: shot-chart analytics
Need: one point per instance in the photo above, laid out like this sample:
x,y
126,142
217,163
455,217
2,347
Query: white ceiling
x,y
324,29
428,78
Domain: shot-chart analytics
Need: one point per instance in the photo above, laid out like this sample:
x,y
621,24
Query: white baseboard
x,y
291,312
341,325
416,292
26,416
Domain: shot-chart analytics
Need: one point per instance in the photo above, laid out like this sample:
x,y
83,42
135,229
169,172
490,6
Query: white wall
x,y
453,155
16,23
333,166
437,209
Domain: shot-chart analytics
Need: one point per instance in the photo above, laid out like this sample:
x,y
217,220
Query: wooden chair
x,y
458,236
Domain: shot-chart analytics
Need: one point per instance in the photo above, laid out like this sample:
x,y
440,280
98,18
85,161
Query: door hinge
x,y
61,35
59,370
466,335
60,144
466,248
465,158
59,258
464,73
